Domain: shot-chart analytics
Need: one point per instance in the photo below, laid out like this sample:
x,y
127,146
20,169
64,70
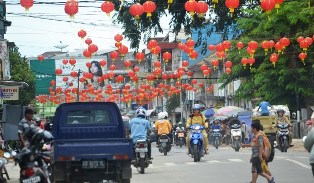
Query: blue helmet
x,y
140,112
197,107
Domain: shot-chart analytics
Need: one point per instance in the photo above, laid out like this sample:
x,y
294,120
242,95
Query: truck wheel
x,y
126,181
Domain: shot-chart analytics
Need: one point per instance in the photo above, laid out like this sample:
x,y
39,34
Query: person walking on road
x,y
245,133
257,154
309,146
25,124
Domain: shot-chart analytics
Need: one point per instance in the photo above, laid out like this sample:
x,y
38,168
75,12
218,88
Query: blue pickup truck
x,y
90,144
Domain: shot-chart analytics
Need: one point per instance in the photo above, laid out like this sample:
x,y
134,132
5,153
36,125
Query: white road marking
x,y
213,161
170,164
190,163
236,160
299,163
301,157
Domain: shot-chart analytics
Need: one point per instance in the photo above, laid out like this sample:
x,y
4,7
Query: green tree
x,y
290,81
172,103
149,26
20,71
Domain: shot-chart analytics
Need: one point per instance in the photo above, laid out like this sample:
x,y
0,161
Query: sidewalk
x,y
13,171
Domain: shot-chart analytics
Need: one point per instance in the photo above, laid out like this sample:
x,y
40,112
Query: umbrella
x,y
209,112
229,111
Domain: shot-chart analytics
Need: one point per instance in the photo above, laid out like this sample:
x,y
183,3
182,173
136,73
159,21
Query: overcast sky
x,y
45,25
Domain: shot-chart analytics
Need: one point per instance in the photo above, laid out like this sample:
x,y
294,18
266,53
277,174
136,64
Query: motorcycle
x,y
141,156
216,137
33,168
196,142
283,136
180,138
8,154
236,137
164,145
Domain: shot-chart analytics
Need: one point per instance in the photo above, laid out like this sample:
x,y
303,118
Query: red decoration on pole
x,y
71,7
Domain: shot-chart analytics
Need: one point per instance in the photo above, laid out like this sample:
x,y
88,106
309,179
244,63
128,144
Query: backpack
x,y
267,146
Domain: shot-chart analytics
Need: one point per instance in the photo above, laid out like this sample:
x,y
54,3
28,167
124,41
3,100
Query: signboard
x,y
5,63
44,72
9,92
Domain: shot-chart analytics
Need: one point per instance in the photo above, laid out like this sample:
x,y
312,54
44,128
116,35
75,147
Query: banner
x,y
5,63
44,72
9,92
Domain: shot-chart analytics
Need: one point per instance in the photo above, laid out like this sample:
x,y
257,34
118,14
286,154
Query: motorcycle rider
x,y
264,108
283,119
140,127
25,124
162,126
197,118
171,131
179,128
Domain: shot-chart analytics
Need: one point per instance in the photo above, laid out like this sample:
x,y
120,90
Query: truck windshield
x,y
88,116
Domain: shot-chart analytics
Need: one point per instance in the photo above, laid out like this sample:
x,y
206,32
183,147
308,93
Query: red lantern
x,y
215,63
220,55
226,45
27,4
211,47
40,58
123,50
167,56
58,71
157,64
201,8
190,6
271,44
278,47
136,10
284,41
190,73
156,50
114,55
304,44
265,46
127,63
82,33
52,82
107,7
273,58
72,61
73,74
87,53
244,61
136,69
92,48
112,67
88,64
139,56
185,63
181,46
251,61
232,4
65,61
190,43
220,47
102,63
193,55
228,64
239,45
228,70
194,81
309,40
152,44
65,79
88,41
71,7
203,67
149,7
206,72
302,56
253,45
268,5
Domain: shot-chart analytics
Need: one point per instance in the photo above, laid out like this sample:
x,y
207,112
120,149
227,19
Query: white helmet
x,y
166,115
180,123
161,115
140,112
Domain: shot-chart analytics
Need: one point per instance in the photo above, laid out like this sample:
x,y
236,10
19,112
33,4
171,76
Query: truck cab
x,y
90,144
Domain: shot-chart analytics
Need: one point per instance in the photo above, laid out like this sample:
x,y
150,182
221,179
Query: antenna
x,y
61,46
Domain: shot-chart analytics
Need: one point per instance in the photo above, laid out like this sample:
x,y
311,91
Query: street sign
x,y
9,92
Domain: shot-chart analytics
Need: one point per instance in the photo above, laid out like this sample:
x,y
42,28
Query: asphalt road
x,y
220,166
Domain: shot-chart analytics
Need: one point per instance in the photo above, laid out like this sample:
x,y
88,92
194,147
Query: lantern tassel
x,y
274,64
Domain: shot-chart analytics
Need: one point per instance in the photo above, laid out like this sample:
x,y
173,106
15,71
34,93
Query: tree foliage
x,y
290,80
218,16
172,103
20,71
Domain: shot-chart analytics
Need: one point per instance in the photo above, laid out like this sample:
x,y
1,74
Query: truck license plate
x,y
32,180
93,164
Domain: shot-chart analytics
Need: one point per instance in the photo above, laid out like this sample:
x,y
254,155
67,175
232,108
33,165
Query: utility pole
x,y
78,85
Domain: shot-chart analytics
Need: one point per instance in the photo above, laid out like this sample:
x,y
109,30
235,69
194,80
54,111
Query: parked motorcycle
x,y
33,168
164,145
141,156
236,137
196,142
216,137
283,136
180,138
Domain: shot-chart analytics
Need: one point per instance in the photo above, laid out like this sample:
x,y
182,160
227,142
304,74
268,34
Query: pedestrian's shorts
x,y
256,165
